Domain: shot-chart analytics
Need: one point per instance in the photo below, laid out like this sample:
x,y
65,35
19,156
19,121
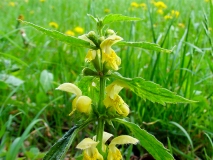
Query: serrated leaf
x,y
144,45
118,18
60,148
150,90
62,37
148,141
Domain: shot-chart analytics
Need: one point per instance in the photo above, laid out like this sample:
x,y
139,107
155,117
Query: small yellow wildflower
x,y
143,5
42,0
79,30
210,29
54,25
69,33
26,1
12,4
90,152
207,0
114,153
175,13
160,11
21,17
80,103
181,25
134,4
166,17
114,101
109,56
106,10
160,5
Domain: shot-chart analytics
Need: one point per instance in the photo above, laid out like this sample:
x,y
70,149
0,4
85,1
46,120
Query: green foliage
x,y
111,18
62,37
148,141
59,149
145,45
150,90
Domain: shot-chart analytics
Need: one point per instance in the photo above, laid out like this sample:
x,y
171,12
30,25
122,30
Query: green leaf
x,y
46,79
118,18
148,141
62,37
144,45
149,90
93,18
60,148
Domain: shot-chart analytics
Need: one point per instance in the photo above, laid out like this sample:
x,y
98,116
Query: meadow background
x,y
33,115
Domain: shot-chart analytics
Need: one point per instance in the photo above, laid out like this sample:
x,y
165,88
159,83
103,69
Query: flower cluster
x,y
137,5
172,14
90,152
161,6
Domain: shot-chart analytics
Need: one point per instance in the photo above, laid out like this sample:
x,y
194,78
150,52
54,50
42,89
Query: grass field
x,y
33,115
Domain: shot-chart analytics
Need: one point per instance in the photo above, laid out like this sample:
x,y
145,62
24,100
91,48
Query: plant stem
x,y
100,127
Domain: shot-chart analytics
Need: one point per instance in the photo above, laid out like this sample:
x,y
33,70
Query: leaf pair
x,y
111,18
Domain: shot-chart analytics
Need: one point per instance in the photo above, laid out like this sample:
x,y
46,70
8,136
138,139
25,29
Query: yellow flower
x,y
160,5
106,10
91,55
42,0
210,29
160,11
114,101
80,103
207,0
69,33
181,25
90,152
113,152
143,5
12,4
106,136
134,4
79,30
54,25
175,13
21,17
108,54
167,17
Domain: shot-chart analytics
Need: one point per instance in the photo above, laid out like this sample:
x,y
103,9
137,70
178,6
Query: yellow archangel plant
x,y
102,104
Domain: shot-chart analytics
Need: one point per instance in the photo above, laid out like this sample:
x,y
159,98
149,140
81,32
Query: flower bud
x,y
83,104
109,32
94,38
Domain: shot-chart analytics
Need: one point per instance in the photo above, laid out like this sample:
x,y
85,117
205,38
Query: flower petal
x,y
87,143
69,87
109,41
113,89
123,139
83,104
90,55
